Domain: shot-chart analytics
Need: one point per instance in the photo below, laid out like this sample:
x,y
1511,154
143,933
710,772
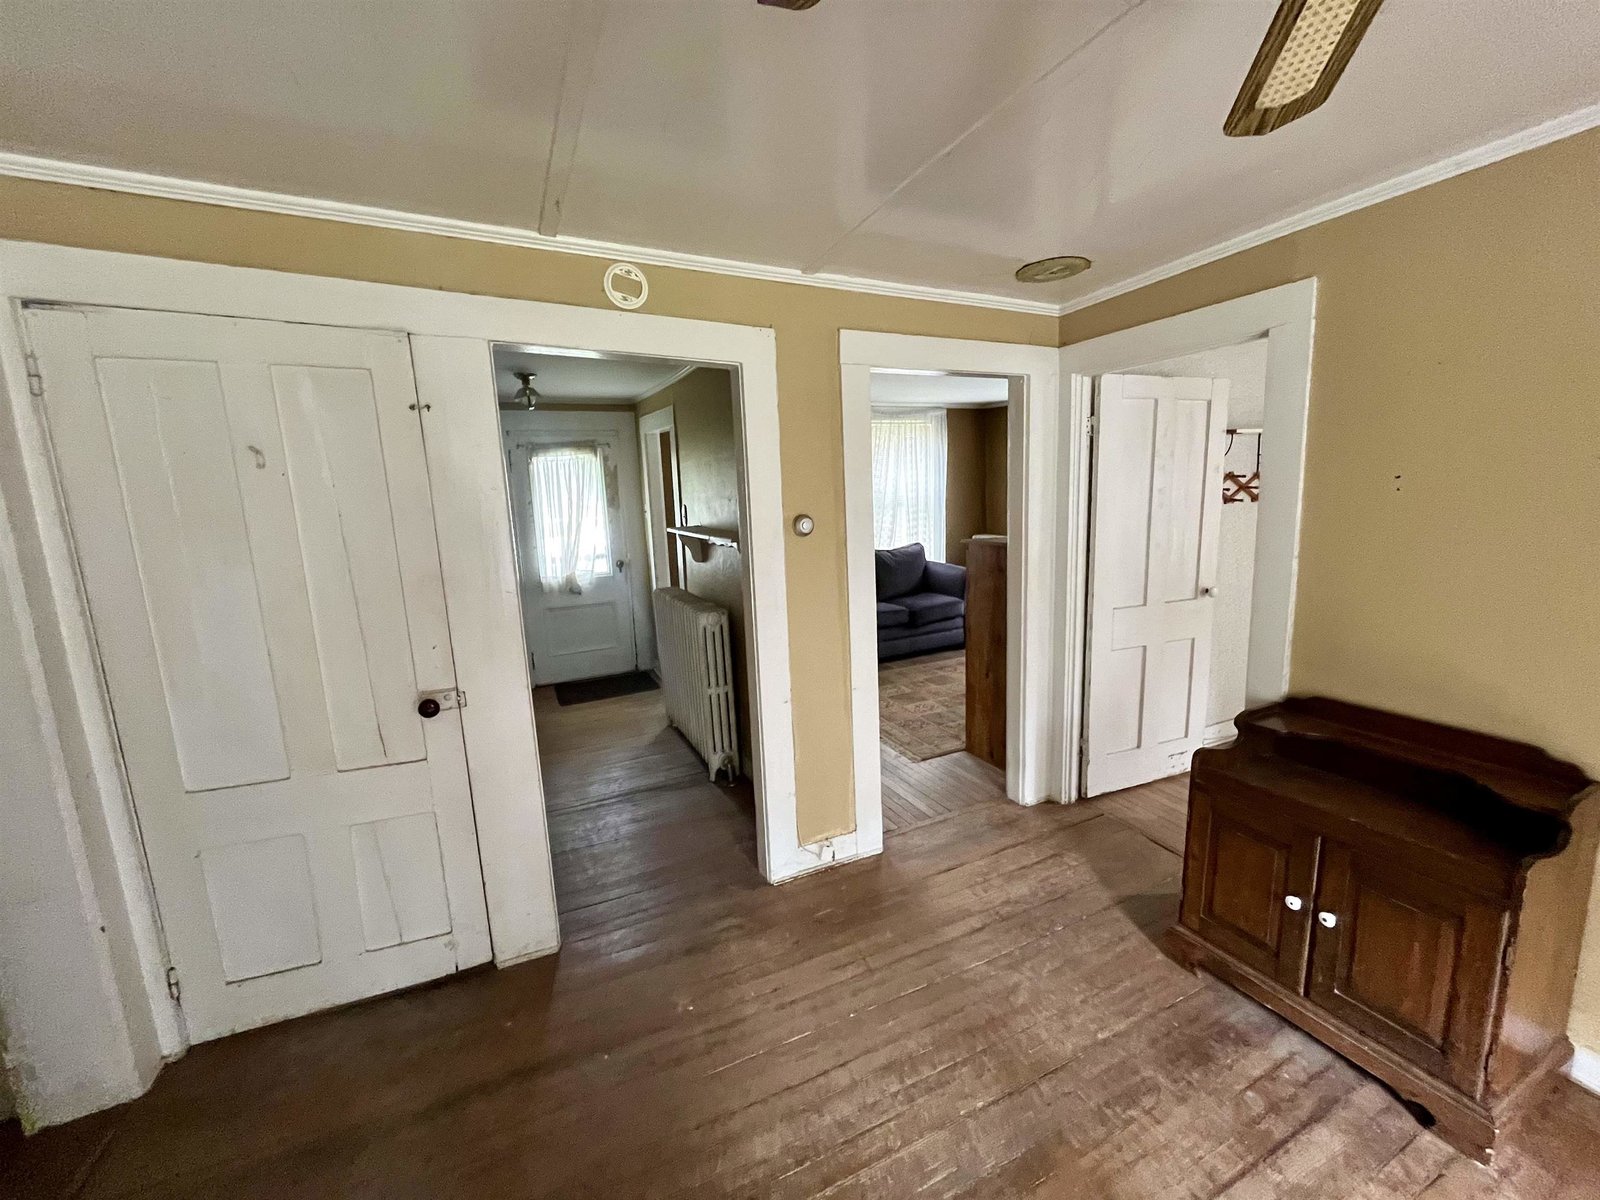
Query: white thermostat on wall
x,y
803,525
626,285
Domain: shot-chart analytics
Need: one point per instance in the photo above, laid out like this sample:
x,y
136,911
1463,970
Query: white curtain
x,y
909,458
571,536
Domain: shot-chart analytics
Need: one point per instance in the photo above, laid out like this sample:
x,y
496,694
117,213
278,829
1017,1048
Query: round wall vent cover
x,y
626,285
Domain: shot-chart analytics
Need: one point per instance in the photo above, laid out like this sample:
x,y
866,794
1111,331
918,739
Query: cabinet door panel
x,y
1409,962
1244,862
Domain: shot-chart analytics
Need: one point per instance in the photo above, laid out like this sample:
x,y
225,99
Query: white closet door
x,y
250,505
1157,520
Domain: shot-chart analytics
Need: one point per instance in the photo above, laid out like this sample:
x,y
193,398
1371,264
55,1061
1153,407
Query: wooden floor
x,y
981,1012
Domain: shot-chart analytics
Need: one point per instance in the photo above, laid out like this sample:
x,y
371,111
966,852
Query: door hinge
x,y
35,380
174,988
1091,424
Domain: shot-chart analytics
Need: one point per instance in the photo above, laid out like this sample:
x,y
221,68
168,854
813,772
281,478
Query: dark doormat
x,y
582,691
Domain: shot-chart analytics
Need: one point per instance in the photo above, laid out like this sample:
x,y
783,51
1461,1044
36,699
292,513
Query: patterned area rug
x,y
922,704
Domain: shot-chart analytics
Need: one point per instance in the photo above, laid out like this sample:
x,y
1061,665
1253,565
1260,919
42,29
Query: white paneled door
x,y
1157,504
574,487
250,504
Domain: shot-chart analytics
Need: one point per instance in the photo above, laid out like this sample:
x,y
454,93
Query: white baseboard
x,y
1584,1069
1222,731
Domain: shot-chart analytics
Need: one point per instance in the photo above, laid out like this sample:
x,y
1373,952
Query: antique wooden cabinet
x,y
1412,895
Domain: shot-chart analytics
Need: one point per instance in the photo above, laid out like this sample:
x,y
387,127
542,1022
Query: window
x,y
571,533
908,478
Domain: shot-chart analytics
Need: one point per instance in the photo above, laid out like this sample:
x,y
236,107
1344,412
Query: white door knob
x,y
1327,920
1293,903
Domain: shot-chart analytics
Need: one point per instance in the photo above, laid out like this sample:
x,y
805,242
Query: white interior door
x,y
1157,516
250,505
575,495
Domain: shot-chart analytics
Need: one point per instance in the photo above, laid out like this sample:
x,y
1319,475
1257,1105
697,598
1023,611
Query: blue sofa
x,y
922,605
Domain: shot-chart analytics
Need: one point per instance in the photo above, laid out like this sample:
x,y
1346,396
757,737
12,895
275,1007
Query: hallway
x,y
981,1012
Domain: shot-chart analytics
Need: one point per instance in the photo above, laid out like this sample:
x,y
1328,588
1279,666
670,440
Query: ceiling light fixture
x,y
1050,270
525,397
1307,48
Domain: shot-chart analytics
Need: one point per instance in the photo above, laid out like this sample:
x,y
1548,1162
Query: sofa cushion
x,y
900,571
890,615
928,607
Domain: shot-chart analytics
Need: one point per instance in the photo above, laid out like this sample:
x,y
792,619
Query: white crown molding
x,y
1457,164
680,373
49,170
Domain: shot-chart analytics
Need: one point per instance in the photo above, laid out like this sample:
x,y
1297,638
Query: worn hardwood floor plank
x,y
981,1012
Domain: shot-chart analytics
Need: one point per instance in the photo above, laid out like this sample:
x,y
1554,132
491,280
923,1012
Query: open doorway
x,y
624,481
940,498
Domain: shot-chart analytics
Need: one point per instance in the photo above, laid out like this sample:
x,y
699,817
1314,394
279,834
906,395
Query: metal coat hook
x,y
1237,488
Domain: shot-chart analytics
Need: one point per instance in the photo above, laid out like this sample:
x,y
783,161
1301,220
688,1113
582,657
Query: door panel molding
x,y
1158,504
175,459
1286,316
450,336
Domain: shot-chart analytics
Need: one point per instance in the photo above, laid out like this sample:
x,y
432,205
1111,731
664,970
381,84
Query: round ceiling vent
x,y
1050,270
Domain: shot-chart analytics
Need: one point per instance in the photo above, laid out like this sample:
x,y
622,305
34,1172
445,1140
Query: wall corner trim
x,y
1584,1069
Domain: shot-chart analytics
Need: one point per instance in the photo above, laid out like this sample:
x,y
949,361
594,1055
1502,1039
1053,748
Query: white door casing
x,y
251,507
653,427
605,629
1157,504
452,335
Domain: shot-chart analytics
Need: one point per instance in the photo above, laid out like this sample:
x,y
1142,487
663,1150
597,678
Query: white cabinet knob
x,y
1293,903
1327,920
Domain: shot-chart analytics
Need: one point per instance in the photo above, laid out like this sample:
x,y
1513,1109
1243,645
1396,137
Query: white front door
x,y
575,498
1157,510
250,504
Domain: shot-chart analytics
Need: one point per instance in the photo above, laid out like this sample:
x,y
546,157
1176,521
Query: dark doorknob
x,y
428,707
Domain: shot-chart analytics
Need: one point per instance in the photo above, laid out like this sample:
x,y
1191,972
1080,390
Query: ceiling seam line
x,y
815,265
586,26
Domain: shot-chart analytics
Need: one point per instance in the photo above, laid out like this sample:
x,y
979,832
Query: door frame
x,y
623,425
1287,316
451,337
1030,522
651,426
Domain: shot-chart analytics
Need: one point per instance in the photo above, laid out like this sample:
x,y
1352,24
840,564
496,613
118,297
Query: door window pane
x,y
572,537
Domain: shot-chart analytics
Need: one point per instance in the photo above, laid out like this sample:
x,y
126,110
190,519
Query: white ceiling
x,y
918,390
938,143
585,379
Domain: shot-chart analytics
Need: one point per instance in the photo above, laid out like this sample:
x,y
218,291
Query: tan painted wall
x,y
996,422
807,321
1451,558
964,481
975,477
708,472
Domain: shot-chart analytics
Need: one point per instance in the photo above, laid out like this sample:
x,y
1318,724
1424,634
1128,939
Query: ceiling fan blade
x,y
1306,49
